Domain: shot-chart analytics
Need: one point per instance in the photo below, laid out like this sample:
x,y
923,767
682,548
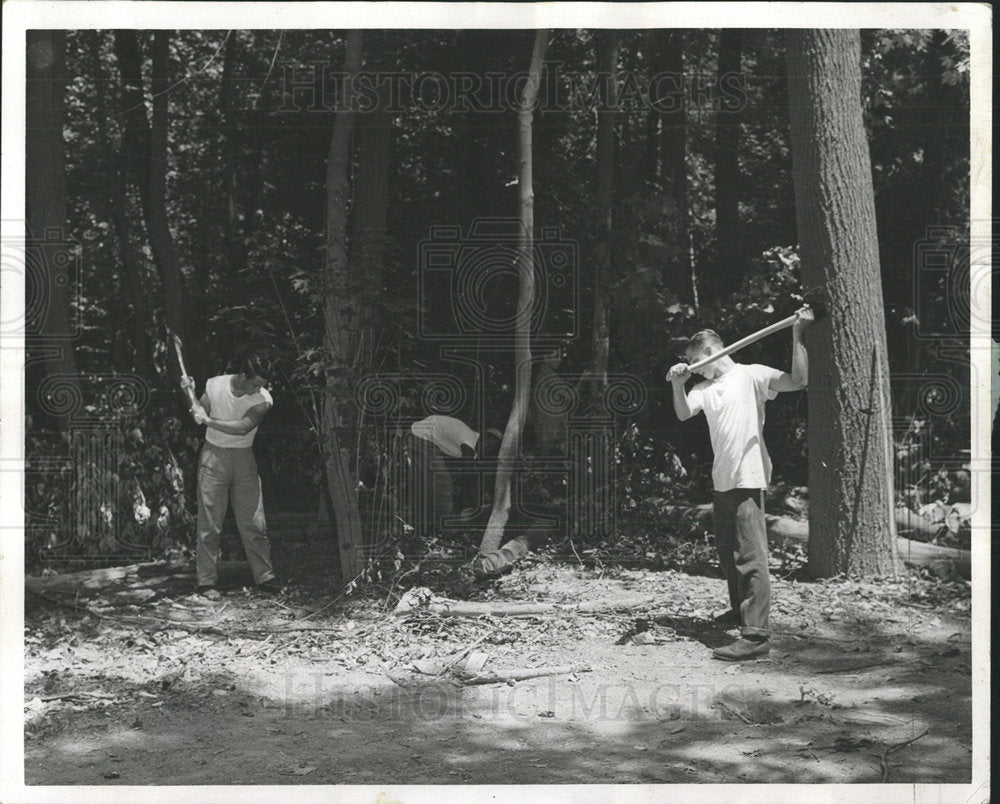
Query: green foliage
x,y
116,487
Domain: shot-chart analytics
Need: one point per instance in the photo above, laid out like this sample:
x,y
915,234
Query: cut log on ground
x,y
913,553
414,600
504,676
96,578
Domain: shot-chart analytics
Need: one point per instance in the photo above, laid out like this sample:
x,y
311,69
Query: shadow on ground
x,y
837,702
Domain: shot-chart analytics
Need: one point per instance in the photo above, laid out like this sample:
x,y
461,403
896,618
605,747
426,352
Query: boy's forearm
x,y
231,426
800,361
681,407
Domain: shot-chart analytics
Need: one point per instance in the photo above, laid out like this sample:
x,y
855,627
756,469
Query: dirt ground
x,y
868,682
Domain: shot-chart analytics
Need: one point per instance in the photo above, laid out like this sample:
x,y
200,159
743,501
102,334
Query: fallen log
x,y
941,560
96,578
913,553
916,526
462,608
505,676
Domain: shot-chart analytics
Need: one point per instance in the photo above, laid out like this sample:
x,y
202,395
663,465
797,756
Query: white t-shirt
x,y
446,433
734,406
225,404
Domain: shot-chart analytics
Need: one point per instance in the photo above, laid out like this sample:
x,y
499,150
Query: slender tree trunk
x,y
673,134
131,262
340,319
651,150
607,71
160,239
368,220
233,234
510,446
850,469
936,119
727,273
147,146
46,232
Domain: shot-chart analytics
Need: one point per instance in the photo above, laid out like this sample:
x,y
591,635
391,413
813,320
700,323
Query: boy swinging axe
x,y
732,397
231,409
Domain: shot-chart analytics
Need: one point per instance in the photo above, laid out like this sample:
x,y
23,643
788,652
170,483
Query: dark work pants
x,y
741,539
431,486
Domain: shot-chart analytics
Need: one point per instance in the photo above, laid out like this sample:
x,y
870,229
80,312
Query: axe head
x,y
173,336
178,348
816,299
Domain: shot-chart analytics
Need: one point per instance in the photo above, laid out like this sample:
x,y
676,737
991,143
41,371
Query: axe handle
x,y
785,323
180,360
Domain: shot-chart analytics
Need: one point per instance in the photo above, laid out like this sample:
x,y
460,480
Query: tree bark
x,y
935,121
340,320
673,137
46,232
131,265
147,146
607,72
234,234
511,443
160,239
850,462
368,219
727,273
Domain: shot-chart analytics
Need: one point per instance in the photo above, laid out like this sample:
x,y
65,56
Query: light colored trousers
x,y
224,475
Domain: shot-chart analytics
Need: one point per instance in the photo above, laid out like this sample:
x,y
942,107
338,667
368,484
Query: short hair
x,y
705,337
256,362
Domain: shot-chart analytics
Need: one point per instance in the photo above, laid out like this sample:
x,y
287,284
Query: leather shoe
x,y
743,649
271,586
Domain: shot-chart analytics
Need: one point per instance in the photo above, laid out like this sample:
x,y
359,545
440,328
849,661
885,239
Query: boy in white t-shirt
x,y
432,444
732,398
232,408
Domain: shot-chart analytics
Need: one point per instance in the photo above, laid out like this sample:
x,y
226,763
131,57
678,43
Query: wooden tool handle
x,y
785,323
180,359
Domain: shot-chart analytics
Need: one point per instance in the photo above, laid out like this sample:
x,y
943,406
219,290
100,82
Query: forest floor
x,y
138,682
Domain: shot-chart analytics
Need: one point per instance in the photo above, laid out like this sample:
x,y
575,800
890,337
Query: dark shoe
x,y
271,586
729,618
743,649
209,592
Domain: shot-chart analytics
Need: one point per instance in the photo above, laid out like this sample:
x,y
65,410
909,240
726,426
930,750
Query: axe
x,y
819,310
179,348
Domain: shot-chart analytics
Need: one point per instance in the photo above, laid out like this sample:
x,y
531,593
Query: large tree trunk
x,y
850,470
341,324
727,273
607,72
511,444
46,235
673,134
131,264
